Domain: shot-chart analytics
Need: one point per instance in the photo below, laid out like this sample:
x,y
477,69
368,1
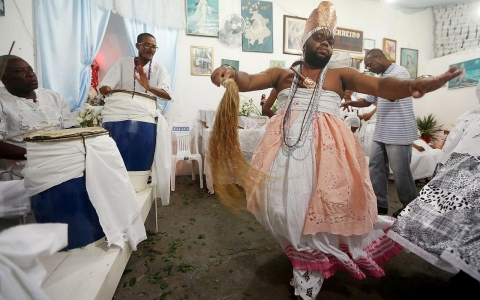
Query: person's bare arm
x,y
359,103
369,115
9,151
248,82
394,88
267,107
419,148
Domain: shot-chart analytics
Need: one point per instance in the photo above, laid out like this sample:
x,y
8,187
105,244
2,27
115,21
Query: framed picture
x,y
390,49
293,28
258,35
409,60
233,63
201,60
368,44
470,76
277,63
2,8
202,17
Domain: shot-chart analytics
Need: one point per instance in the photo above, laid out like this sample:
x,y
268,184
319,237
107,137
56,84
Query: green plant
x,y
248,108
275,107
427,127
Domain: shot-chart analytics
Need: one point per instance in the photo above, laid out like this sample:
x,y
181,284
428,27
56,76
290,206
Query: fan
x,y
233,27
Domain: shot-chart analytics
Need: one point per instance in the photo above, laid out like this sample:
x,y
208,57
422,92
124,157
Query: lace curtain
x,y
165,14
457,28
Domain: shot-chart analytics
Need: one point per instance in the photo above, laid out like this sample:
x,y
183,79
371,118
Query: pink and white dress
x,y
318,201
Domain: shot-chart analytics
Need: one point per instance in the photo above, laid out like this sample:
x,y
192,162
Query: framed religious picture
x,y
277,63
368,44
390,49
202,17
258,34
470,75
232,63
201,60
409,60
2,8
293,28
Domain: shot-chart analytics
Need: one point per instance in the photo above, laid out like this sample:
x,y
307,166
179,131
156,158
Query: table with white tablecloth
x,y
249,139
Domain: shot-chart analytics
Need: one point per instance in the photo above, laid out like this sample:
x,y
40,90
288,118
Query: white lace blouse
x,y
18,115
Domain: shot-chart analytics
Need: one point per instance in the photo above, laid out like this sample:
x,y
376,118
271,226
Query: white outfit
x,y
121,76
424,162
19,115
367,128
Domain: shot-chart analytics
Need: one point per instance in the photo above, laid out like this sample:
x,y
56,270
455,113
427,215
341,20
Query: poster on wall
x,y
348,40
470,75
202,17
232,63
2,8
258,35
409,60
293,28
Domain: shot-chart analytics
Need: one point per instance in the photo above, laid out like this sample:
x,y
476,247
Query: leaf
x,y
132,281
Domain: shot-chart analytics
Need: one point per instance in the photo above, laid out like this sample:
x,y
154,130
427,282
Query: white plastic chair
x,y
181,132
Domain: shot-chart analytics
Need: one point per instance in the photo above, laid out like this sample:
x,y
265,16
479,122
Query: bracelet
x,y
419,77
355,82
269,76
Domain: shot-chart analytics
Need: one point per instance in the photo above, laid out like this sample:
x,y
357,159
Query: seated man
x,y
25,107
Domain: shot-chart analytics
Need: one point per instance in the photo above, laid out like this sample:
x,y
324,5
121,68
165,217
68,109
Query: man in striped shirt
x,y
395,131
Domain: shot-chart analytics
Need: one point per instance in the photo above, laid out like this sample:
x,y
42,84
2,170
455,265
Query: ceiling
x,y
412,6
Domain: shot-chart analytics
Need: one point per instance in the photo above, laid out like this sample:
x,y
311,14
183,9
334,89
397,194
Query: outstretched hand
x,y
221,74
421,86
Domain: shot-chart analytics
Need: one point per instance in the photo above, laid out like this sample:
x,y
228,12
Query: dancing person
x,y
368,120
139,73
442,225
395,131
308,181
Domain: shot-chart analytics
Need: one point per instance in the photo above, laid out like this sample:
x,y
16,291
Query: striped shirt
x,y
396,123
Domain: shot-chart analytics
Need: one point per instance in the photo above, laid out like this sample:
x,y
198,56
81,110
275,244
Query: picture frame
x,y
230,62
201,59
390,49
202,17
258,35
409,60
470,75
2,8
277,63
368,44
293,28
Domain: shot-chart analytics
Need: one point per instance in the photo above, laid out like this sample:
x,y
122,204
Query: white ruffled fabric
x,y
108,184
115,111
21,274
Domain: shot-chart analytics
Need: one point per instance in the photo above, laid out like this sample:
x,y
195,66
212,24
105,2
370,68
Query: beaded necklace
x,y
135,71
287,148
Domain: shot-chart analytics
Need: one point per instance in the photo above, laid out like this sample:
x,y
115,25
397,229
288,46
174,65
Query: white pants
x,y
307,284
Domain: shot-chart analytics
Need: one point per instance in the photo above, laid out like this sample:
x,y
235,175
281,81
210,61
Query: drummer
x,y
25,107
140,73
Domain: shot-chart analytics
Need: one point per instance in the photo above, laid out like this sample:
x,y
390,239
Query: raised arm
x,y
394,88
267,107
248,82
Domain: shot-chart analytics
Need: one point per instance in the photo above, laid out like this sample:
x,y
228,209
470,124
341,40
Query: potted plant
x,y
427,127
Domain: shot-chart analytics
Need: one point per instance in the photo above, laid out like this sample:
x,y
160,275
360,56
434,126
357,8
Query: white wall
x,y
375,19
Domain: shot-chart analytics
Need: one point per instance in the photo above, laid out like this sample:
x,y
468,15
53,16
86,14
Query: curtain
x,y
167,14
166,54
69,34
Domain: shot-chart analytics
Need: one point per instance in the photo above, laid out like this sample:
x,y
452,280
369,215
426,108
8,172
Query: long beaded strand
x,y
287,148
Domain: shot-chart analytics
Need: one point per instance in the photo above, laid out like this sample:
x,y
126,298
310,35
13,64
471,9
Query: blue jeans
x,y
398,158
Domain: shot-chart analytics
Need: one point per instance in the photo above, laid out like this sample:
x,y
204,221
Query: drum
x,y
67,202
136,136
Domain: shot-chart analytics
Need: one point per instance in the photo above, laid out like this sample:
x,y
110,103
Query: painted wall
x,y
376,19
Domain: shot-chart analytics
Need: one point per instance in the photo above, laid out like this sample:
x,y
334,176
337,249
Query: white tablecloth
x,y
249,139
207,117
